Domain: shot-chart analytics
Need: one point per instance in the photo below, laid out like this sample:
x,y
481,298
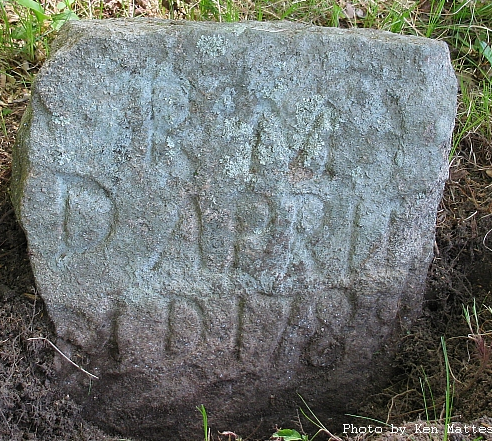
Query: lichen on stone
x,y
212,45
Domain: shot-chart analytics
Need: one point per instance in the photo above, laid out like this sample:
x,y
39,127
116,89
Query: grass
x,y
479,334
294,435
428,405
206,429
474,112
449,393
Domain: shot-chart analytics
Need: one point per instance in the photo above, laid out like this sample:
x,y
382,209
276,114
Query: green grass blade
x,y
434,17
35,7
486,51
449,390
202,410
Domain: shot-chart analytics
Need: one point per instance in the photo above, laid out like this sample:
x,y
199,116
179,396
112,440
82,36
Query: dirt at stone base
x,y
31,408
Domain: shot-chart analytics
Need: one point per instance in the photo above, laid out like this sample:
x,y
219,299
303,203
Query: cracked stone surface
x,y
229,214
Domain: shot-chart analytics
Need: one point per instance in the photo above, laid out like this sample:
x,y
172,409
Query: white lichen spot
x,y
239,164
61,120
307,110
226,102
357,174
272,147
170,150
176,108
235,129
314,122
212,45
62,157
275,93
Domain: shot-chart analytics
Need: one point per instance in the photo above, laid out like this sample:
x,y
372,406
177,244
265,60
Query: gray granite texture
x,y
229,214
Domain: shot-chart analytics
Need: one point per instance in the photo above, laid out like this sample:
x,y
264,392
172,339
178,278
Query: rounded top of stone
x,y
132,27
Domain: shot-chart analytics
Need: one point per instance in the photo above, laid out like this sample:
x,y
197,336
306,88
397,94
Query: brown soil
x,y
31,408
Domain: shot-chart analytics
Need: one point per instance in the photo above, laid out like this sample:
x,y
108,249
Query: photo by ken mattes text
x,y
415,428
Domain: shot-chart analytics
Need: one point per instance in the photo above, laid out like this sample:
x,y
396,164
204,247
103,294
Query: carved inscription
x,y
242,191
88,214
264,230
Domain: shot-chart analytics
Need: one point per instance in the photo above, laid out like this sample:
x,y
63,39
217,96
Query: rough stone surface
x,y
228,214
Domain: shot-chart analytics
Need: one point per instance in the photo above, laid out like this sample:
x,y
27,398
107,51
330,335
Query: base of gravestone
x,y
247,408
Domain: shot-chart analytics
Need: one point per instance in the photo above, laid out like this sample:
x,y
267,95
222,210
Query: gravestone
x,y
229,214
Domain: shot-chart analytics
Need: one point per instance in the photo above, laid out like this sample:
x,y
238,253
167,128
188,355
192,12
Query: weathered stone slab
x,y
230,213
